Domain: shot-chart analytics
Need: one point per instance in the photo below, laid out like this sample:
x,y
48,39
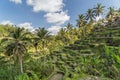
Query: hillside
x,y
88,49
98,54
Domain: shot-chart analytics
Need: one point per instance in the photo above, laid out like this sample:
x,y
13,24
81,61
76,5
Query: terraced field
x,y
94,56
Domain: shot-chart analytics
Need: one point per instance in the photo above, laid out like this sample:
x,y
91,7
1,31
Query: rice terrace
x,y
60,40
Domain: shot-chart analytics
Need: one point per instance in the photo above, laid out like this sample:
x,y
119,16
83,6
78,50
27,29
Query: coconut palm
x,y
16,45
62,31
81,20
69,27
62,35
42,36
90,16
111,12
99,9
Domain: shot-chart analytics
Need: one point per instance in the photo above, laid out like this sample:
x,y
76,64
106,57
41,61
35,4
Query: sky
x,y
51,14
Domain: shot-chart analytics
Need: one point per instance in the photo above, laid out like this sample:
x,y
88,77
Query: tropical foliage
x,y
90,50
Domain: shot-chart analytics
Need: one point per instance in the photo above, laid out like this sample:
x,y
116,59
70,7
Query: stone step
x,y
57,76
86,55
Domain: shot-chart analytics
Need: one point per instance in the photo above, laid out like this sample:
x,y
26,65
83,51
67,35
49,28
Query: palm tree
x,y
62,35
99,9
62,31
35,41
119,10
69,27
90,16
111,12
16,45
42,36
81,20
69,34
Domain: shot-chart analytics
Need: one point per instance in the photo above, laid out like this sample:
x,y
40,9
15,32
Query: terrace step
x,y
86,51
76,47
107,32
107,28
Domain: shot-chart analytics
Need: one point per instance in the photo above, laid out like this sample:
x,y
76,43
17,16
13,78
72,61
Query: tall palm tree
x,y
111,12
42,36
62,35
99,9
62,31
90,16
81,20
16,45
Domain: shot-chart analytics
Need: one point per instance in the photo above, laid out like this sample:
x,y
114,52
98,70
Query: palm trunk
x,y
91,20
21,64
43,52
21,67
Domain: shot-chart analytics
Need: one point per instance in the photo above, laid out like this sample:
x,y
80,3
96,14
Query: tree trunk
x,y
21,67
44,51
21,64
